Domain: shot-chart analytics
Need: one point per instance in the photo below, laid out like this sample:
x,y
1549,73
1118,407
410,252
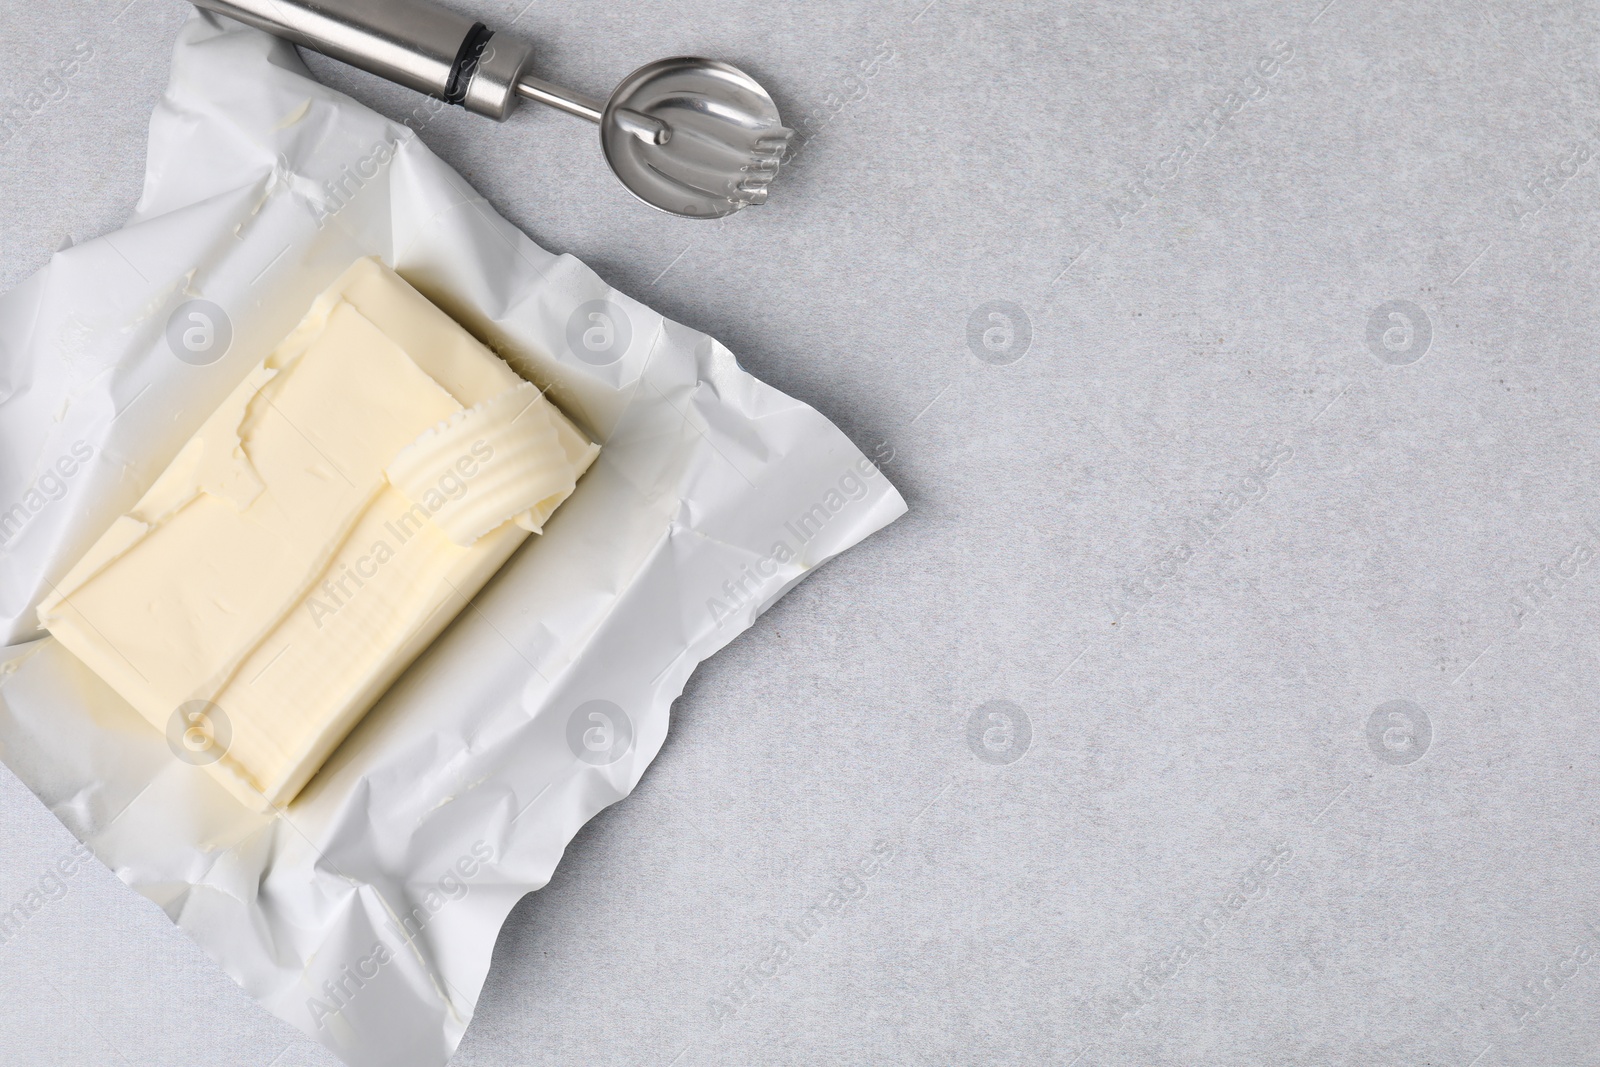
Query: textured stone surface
x,y
1292,764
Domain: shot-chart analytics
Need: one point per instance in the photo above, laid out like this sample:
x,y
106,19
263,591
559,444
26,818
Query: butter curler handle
x,y
414,43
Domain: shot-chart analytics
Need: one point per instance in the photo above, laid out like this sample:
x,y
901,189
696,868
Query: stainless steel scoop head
x,y
695,137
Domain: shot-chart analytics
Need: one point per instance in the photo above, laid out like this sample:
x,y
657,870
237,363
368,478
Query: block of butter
x,y
316,534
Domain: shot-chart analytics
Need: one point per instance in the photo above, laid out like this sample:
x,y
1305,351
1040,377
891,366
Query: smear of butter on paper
x,y
294,116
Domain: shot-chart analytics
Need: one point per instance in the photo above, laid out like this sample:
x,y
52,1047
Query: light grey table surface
x,y
1218,517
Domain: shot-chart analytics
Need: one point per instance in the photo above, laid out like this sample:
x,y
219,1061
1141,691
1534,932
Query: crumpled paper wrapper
x,y
366,913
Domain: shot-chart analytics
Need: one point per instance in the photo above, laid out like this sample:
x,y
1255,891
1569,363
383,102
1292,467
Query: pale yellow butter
x,y
319,531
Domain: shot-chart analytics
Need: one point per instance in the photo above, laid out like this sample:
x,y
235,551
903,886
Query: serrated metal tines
x,y
766,156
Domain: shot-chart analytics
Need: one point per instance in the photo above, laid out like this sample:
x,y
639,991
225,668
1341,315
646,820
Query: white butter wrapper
x,y
366,913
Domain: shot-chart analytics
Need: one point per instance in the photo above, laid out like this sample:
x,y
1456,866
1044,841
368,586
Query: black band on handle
x,y
466,64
